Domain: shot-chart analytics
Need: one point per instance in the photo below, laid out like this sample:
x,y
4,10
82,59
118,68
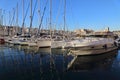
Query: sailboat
x,y
45,40
61,43
28,39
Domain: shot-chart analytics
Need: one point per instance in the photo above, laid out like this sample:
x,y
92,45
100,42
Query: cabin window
x,y
105,46
112,45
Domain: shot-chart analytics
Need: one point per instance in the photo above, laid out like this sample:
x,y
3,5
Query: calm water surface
x,y
31,63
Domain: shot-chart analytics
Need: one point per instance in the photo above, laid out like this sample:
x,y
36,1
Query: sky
x,y
80,14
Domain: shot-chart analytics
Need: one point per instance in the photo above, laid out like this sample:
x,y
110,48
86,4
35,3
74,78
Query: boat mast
x,y
13,22
30,16
39,19
64,18
17,19
23,17
4,18
39,9
17,15
64,14
51,19
9,24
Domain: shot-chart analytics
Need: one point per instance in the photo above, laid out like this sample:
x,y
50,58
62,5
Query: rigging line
x,y
58,13
64,15
72,14
26,13
13,16
34,9
17,14
42,16
19,5
39,12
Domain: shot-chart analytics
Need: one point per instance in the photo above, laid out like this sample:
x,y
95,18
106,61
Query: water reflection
x,y
22,63
96,62
32,63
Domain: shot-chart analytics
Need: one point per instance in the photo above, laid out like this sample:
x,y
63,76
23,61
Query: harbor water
x,y
32,63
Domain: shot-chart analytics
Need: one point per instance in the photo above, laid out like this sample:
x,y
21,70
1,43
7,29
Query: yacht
x,y
96,43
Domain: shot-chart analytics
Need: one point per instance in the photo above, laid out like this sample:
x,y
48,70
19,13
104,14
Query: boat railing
x,y
97,40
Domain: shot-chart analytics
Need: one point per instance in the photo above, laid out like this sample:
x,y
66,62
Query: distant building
x,y
82,32
105,30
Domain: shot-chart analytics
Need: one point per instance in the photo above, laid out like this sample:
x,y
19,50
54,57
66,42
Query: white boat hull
x,y
58,44
92,46
24,43
32,44
44,43
92,51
